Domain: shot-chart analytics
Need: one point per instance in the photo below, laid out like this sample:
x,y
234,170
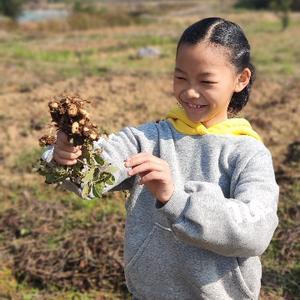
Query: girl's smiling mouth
x,y
194,106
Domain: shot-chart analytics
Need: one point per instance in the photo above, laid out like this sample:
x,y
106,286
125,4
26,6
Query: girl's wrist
x,y
163,200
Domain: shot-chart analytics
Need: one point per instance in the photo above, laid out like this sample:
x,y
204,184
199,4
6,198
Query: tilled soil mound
x,y
83,258
288,175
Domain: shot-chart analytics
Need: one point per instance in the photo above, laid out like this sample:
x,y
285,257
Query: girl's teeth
x,y
194,105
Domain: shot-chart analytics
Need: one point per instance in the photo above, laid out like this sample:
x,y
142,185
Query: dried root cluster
x,y
69,115
91,172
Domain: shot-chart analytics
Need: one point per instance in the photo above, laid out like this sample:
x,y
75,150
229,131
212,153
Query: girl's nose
x,y
192,93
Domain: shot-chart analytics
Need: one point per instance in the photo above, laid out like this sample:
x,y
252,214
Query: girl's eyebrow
x,y
206,74
179,70
202,74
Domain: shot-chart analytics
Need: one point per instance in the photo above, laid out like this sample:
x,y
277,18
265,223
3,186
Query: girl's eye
x,y
180,78
208,82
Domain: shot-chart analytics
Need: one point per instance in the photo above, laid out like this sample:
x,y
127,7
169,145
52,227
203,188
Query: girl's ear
x,y
242,80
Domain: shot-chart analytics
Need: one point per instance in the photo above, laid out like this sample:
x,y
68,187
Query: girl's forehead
x,y
203,54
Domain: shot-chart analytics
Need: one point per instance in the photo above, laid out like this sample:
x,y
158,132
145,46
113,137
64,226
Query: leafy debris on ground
x,y
90,257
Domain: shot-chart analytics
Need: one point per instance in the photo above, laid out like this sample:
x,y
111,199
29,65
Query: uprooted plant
x,y
90,172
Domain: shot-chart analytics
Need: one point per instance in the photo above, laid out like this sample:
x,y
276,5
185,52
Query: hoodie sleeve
x,y
239,226
117,148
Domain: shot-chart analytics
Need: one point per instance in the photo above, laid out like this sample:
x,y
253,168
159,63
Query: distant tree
x,y
11,8
267,4
282,8
256,4
296,5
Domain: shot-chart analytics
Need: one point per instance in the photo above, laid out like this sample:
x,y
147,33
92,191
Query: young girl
x,y
203,193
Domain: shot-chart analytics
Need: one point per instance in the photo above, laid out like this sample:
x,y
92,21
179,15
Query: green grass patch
x,y
138,41
25,52
273,50
83,20
25,160
129,62
52,65
265,26
80,210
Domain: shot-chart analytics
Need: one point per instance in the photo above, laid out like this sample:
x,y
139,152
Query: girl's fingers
x,y
144,167
142,157
65,162
67,148
62,138
64,152
155,175
67,155
63,143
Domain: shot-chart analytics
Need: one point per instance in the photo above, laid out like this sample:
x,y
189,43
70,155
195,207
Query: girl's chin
x,y
196,115
195,118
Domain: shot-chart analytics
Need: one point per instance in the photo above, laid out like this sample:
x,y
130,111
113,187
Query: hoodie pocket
x,y
153,271
244,286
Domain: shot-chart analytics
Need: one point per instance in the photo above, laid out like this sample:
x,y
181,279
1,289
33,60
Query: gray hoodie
x,y
206,241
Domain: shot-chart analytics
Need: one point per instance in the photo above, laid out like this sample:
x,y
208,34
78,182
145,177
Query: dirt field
x,y
100,64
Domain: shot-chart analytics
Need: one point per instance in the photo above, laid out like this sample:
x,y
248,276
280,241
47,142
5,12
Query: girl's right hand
x,y
64,152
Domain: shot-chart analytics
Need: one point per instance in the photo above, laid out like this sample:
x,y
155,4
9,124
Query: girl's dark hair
x,y
229,35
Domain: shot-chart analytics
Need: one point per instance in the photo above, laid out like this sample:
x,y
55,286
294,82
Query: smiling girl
x,y
203,192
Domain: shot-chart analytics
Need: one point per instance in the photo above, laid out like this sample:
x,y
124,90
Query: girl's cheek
x,y
179,89
176,93
211,93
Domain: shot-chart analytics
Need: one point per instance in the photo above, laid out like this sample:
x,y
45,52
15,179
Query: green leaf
x,y
99,160
86,153
111,179
112,169
107,178
25,231
85,191
98,189
104,176
96,174
52,178
76,168
88,176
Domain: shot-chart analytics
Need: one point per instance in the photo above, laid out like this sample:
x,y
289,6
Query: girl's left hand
x,y
155,174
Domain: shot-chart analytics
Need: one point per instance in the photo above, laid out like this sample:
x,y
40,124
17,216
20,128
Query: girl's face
x,y
205,80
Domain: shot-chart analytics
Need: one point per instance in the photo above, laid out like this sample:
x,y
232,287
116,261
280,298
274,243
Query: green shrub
x,y
280,7
255,4
268,4
11,8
